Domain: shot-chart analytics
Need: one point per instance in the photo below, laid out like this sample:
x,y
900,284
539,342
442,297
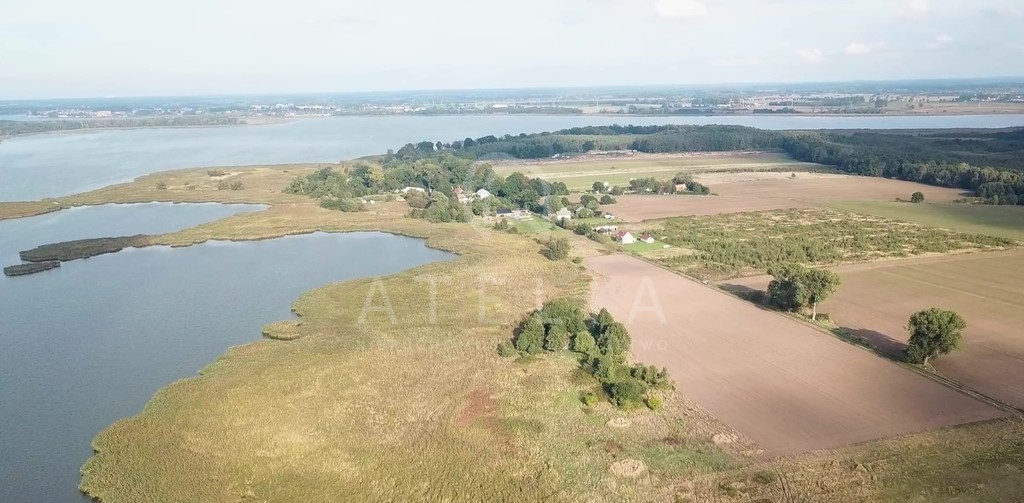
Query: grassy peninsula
x,y
420,406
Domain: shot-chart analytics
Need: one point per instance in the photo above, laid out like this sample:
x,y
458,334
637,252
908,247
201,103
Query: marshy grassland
x,y
359,405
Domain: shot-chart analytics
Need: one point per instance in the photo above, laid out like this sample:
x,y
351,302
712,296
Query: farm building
x,y
625,238
461,195
482,194
647,238
607,229
563,214
411,189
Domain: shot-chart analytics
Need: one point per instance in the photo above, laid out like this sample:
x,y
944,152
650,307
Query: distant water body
x,y
50,165
91,342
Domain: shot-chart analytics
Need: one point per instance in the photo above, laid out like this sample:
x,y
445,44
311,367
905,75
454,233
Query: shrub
x,y
348,204
613,340
501,225
237,185
161,185
654,402
223,185
650,375
506,350
917,197
607,199
557,249
627,393
216,172
589,398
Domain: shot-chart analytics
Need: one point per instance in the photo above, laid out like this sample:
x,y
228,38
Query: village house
x,y
411,189
482,194
461,195
625,238
681,187
647,238
563,214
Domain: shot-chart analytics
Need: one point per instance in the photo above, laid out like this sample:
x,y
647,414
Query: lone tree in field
x,y
598,187
917,197
818,284
934,332
796,286
557,249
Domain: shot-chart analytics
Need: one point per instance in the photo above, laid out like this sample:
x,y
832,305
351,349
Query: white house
x,y
563,214
482,194
647,238
410,189
626,238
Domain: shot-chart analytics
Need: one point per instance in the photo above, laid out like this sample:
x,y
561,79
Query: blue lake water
x,y
89,343
50,165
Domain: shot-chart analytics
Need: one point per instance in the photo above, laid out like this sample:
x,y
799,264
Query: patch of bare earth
x,y
876,300
785,385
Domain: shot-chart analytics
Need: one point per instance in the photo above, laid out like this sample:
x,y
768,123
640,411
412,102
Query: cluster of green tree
x,y
668,138
651,185
332,189
933,159
834,101
796,287
601,344
14,128
437,207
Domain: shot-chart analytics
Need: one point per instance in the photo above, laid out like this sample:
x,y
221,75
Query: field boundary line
x,y
934,376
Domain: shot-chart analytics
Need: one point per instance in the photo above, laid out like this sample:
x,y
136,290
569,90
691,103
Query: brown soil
x,y
876,300
787,386
479,408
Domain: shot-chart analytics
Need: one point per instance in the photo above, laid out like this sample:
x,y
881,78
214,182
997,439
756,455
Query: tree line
x,y
15,128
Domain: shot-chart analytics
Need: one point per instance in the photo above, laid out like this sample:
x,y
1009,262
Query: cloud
x,y
940,42
861,49
680,9
918,6
734,62
858,49
811,55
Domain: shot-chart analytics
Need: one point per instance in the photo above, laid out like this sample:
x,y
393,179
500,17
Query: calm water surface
x,y
91,342
51,165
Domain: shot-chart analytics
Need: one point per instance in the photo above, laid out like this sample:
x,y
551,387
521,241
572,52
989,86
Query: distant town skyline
x,y
61,48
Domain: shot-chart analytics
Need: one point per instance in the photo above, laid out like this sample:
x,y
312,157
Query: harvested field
x,y
833,187
635,208
785,385
876,300
580,173
750,191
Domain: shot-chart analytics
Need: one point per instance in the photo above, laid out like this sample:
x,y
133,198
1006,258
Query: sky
x,y
75,48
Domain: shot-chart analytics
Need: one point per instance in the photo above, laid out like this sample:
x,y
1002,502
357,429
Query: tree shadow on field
x,y
880,342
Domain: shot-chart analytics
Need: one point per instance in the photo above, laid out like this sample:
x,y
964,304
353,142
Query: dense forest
x,y
990,163
14,128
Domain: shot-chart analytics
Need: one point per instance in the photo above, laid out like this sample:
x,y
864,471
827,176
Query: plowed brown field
x,y
876,300
786,386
